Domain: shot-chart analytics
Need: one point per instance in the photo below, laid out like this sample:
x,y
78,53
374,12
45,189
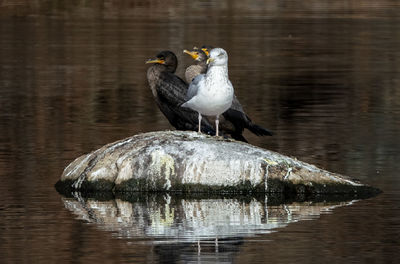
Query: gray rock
x,y
192,162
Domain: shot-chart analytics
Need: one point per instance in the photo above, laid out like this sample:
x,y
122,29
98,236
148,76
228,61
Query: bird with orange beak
x,y
169,92
200,65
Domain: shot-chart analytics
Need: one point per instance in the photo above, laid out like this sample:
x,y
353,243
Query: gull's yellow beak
x,y
193,54
206,51
210,60
160,61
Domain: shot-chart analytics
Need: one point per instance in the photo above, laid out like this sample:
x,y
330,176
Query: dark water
x,y
325,77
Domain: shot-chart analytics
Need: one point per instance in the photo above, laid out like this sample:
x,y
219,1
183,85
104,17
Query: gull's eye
x,y
220,55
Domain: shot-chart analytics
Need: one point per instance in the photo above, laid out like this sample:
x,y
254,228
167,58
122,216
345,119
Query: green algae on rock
x,y
189,162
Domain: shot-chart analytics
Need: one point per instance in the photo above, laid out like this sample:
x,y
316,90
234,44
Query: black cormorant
x,y
169,92
200,65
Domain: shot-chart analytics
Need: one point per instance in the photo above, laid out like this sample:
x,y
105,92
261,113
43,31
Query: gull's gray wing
x,y
194,86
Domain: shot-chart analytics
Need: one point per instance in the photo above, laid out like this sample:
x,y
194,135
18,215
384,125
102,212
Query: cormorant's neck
x,y
203,64
163,68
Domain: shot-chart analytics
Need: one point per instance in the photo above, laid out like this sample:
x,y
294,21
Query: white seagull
x,y
211,94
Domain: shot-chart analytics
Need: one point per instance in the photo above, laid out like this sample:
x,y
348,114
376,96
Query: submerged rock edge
x,y
188,162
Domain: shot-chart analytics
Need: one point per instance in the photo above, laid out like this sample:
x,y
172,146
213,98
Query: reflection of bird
x,y
211,94
234,120
169,92
200,65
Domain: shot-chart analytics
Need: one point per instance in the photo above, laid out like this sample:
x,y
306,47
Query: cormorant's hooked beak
x,y
160,61
193,54
209,60
206,51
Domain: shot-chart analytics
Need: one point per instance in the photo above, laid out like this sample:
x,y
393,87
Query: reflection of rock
x,y
190,220
192,162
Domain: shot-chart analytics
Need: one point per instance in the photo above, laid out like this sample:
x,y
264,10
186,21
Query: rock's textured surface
x,y
192,162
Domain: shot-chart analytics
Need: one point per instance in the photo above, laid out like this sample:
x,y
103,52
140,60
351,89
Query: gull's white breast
x,y
216,93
